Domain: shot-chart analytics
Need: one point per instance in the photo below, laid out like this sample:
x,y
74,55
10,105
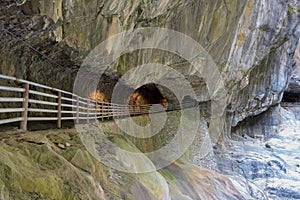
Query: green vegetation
x,y
268,146
293,9
167,174
269,163
121,65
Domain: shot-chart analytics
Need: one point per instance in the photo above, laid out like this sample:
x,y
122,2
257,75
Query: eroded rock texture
x,y
252,42
255,44
293,90
262,57
55,165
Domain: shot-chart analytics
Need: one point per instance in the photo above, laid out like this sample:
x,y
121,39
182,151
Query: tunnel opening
x,y
291,97
147,94
148,99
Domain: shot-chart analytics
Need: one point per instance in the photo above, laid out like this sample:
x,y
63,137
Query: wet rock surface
x,y
46,42
255,44
271,163
55,165
294,82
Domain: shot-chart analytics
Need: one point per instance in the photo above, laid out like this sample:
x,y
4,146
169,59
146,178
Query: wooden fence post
x,y
88,111
101,112
23,124
77,109
95,111
111,110
59,110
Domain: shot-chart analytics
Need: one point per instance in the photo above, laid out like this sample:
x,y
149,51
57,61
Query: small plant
x,y
269,163
121,65
268,146
293,9
297,165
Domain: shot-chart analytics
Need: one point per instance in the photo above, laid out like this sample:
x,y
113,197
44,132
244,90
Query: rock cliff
x,y
54,164
254,43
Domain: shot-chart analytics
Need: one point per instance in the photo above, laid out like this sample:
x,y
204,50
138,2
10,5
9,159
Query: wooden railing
x,y
62,105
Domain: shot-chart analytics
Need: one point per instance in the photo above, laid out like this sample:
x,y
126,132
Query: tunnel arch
x,y
148,94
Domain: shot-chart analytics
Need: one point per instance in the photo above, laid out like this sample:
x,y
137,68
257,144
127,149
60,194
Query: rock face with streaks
x,y
292,93
264,49
254,43
55,165
272,164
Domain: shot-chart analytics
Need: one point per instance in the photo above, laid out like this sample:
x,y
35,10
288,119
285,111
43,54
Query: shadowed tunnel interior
x,y
147,94
291,97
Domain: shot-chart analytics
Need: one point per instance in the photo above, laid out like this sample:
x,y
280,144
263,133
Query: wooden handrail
x,y
62,101
59,110
23,124
77,110
81,108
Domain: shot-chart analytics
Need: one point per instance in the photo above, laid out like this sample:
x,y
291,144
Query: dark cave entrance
x,y
147,94
291,97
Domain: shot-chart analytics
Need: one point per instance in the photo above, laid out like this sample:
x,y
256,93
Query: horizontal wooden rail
x,y
73,106
5,121
43,102
70,106
68,99
42,94
83,118
63,105
42,118
10,110
42,110
68,112
18,80
12,89
84,103
10,99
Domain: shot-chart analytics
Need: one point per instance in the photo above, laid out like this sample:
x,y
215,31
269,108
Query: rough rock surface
x,y
294,82
55,165
252,42
271,162
255,44
262,56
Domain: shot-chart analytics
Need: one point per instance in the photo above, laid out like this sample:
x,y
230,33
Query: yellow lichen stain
x,y
216,18
293,9
218,24
240,38
3,66
8,70
248,7
247,11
